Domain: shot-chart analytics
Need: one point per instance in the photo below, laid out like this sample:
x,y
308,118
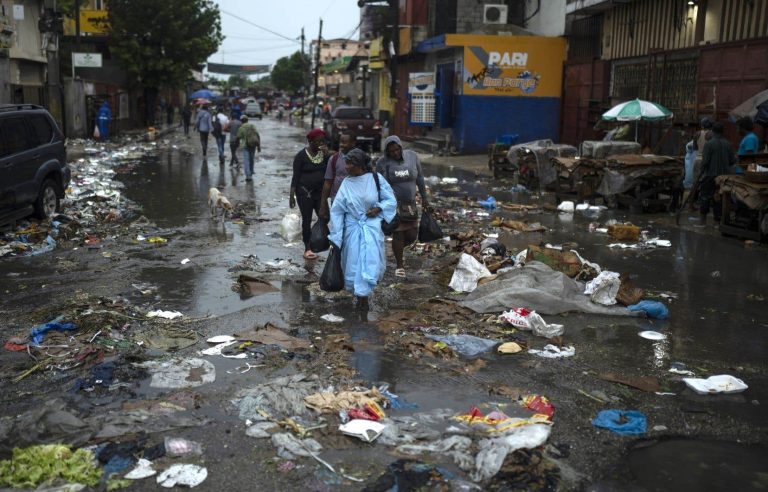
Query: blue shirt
x,y
748,144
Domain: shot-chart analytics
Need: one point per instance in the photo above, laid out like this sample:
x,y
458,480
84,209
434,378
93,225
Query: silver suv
x,y
33,163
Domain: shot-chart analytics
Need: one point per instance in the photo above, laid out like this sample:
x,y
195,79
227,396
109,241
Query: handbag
x,y
386,227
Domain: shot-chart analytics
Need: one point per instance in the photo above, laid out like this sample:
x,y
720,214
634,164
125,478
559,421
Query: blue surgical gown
x,y
359,236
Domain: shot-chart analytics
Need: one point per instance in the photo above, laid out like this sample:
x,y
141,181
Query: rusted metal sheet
x,y
585,98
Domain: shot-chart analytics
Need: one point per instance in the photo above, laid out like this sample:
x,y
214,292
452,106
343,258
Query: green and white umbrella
x,y
638,110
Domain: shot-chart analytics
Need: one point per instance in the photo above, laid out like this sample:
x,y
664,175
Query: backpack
x,y
252,137
217,126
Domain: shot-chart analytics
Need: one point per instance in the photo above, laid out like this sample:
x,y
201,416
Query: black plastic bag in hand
x,y
429,229
332,279
318,239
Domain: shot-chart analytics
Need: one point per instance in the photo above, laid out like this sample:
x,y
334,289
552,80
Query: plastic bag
x,y
467,273
604,288
466,345
517,317
567,207
429,229
542,329
96,132
332,279
389,227
290,227
488,204
318,239
654,309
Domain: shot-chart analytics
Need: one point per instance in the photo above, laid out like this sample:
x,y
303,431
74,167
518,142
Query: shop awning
x,y
338,65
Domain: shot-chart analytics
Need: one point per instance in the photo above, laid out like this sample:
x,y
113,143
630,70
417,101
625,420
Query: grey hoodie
x,y
404,176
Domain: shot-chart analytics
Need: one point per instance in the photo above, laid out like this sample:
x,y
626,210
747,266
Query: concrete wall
x,y
549,21
74,101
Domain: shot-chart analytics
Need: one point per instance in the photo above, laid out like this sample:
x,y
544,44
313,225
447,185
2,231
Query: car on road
x,y
357,121
33,163
253,110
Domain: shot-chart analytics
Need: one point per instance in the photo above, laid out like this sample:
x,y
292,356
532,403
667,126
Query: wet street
x,y
714,287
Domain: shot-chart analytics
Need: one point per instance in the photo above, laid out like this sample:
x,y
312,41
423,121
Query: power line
x,y
258,26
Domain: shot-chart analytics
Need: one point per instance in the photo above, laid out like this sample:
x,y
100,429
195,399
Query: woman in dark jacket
x,y
307,183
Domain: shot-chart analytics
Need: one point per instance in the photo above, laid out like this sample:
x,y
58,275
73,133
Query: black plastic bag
x,y
318,238
429,229
389,227
332,279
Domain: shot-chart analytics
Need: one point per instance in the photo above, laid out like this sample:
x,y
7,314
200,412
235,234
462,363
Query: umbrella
x,y
200,101
756,107
637,110
202,93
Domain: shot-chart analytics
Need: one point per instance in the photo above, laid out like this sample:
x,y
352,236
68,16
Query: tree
x,y
289,72
159,43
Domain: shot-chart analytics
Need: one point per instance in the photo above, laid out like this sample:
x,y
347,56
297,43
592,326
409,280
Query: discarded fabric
x,y
180,373
624,422
182,474
722,383
554,352
468,272
37,334
604,288
653,309
466,345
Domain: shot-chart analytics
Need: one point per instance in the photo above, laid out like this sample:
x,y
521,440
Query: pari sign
x,y
530,66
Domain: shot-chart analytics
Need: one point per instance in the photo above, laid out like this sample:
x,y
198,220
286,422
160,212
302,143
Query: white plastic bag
x,y
566,207
516,318
290,227
468,272
604,288
542,329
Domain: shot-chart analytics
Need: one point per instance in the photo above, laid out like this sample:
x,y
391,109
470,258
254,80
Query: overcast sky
x,y
246,44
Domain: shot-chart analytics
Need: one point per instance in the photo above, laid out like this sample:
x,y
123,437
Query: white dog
x,y
218,202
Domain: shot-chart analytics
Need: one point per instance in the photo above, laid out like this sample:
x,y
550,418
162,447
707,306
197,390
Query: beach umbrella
x,y
637,110
756,107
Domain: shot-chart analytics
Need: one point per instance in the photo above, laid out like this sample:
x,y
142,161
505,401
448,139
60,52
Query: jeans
x,y
220,145
233,146
204,141
248,156
307,203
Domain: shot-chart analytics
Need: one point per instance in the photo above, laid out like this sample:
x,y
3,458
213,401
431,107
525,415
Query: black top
x,y
307,174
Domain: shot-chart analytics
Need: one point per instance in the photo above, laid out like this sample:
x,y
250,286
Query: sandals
x,y
400,272
310,255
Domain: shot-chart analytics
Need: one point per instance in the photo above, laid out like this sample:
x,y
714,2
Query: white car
x,y
253,110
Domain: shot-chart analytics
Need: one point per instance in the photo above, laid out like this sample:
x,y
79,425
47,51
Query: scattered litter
x,y
646,383
722,383
290,227
365,430
217,349
517,317
164,314
179,373
624,232
468,272
333,402
185,261
566,206
509,348
448,180
653,309
582,206
289,447
143,469
38,332
466,345
652,335
180,474
488,204
271,335
539,404
543,329
221,339
554,352
252,286
604,288
624,422
178,446
659,428
680,368
660,243
332,318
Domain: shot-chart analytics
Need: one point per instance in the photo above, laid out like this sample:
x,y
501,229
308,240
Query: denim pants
x,y
220,144
248,156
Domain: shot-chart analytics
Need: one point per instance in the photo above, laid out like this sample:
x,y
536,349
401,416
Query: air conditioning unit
x,y
494,14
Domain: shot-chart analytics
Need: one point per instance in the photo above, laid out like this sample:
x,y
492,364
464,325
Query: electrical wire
x,y
260,27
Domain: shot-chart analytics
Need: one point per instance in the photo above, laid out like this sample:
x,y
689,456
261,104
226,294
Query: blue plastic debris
x,y
398,403
488,204
624,422
38,332
654,309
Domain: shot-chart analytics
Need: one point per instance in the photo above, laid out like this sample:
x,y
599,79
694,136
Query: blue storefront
x,y
489,86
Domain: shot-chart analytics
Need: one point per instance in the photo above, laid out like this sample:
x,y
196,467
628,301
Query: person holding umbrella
x,y
203,126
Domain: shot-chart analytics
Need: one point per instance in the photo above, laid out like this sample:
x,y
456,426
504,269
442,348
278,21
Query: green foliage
x,y
159,43
240,81
35,465
289,73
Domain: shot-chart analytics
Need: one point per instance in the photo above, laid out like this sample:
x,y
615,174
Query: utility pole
x,y
303,79
317,71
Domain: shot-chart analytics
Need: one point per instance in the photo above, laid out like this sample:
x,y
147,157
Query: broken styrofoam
x,y
554,352
143,469
182,474
365,430
566,206
332,318
722,383
221,339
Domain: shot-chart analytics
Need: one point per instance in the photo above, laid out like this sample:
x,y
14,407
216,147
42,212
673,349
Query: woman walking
x,y
402,170
307,183
363,200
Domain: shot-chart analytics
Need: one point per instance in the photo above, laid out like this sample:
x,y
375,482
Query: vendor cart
x,y
643,183
745,205
577,179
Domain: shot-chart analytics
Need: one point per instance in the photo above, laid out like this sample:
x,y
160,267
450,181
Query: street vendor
x,y
718,156
749,141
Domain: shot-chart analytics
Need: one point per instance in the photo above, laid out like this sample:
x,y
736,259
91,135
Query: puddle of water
x,y
683,464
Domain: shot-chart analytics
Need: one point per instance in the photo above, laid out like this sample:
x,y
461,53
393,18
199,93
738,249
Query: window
x,y
13,137
42,128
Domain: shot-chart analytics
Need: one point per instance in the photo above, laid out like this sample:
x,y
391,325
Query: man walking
x,y
203,125
336,172
717,157
234,141
249,137
220,124
186,118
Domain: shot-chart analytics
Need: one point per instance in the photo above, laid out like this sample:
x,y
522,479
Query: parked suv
x,y
253,110
33,163
357,121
